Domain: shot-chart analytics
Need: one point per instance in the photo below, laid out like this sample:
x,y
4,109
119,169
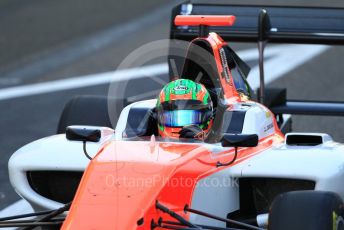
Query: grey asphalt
x,y
30,30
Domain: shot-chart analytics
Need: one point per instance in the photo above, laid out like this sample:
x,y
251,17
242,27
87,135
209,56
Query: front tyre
x,y
307,210
91,110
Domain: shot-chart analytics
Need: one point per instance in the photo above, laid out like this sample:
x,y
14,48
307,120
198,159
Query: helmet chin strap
x,y
201,135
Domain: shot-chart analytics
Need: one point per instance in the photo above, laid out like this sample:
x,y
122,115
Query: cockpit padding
x,y
141,122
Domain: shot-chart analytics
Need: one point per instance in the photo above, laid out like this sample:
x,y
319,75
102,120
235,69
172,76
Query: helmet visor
x,y
185,105
180,118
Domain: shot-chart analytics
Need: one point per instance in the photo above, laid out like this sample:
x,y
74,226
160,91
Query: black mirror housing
x,y
239,140
83,133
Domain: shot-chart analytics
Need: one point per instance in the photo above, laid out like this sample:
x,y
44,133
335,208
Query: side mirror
x,y
83,133
239,140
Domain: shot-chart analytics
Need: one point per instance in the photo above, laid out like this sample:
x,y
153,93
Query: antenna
x,y
264,27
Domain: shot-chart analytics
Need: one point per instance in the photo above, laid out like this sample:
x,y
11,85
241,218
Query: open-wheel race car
x,y
249,172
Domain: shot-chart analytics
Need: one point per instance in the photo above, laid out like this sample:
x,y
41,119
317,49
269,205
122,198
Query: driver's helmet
x,y
182,103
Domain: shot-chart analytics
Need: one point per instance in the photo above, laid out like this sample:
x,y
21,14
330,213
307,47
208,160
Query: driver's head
x,y
183,103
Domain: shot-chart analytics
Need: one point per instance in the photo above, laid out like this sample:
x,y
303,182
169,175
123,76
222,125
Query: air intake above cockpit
x,y
307,139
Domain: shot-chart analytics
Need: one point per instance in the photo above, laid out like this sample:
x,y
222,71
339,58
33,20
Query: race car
x,y
251,172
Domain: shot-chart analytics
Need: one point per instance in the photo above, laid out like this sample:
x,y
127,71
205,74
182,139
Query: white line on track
x,y
280,60
283,59
44,63
83,81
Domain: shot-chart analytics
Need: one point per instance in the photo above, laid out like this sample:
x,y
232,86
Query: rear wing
x,y
273,24
311,25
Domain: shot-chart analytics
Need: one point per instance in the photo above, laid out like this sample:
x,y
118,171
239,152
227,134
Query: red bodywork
x,y
122,183
207,20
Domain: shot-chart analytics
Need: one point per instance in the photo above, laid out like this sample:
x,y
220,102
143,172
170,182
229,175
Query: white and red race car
x,y
250,173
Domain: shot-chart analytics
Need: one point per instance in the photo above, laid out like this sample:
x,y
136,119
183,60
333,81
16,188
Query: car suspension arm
x,y
248,226
52,215
175,215
202,226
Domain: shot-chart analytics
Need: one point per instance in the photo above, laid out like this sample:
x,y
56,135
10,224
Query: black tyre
x,y
91,110
307,210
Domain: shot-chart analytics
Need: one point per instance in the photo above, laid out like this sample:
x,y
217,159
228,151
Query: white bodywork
x,y
50,153
323,164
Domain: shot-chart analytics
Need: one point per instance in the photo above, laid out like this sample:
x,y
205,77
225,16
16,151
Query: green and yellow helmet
x,y
181,103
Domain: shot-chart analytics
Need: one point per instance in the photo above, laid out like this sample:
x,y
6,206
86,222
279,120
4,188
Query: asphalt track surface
x,y
34,31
